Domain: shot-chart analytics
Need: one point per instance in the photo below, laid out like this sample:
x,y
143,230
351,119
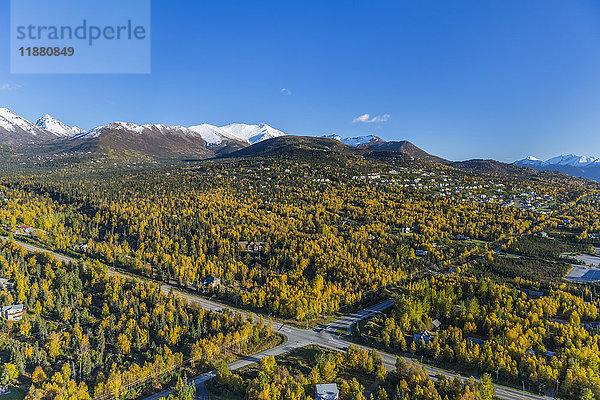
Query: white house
x,y
16,312
6,284
327,391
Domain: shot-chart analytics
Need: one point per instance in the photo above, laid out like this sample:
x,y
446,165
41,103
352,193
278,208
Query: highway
x,y
327,336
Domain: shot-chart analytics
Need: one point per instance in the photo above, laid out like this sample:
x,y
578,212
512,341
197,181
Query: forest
x,y
325,236
88,334
493,328
305,242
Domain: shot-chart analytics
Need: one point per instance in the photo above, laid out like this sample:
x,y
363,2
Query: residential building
x,y
15,312
6,284
476,341
424,336
211,281
327,391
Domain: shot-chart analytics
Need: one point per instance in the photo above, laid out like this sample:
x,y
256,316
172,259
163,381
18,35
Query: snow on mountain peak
x,y
564,160
211,134
12,122
249,133
57,127
352,141
571,160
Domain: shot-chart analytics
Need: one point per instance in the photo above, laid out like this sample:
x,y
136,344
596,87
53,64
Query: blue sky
x,y
461,79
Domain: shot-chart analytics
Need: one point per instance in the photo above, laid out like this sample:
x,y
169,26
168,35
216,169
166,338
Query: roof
x,y
436,323
476,341
424,336
326,391
14,308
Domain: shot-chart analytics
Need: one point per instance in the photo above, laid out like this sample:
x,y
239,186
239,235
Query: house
x,y
436,324
405,230
424,336
80,247
15,312
24,230
420,253
6,284
476,341
327,391
542,234
532,294
252,247
211,281
460,236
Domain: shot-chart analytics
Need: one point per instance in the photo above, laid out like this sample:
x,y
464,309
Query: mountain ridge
x,y
570,164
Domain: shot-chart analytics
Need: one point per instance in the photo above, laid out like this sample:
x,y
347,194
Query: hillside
x,y
295,147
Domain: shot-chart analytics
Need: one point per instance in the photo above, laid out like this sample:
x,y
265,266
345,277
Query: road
x,y
327,336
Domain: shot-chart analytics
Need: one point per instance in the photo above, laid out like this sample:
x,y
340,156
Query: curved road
x,y
325,336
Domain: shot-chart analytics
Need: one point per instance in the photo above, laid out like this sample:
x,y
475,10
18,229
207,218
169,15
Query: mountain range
x,y
49,137
570,164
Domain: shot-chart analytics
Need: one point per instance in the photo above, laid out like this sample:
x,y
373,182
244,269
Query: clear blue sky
x,y
461,79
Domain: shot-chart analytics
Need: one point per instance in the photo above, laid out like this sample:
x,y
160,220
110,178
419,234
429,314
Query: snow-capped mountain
x,y
529,162
130,127
569,160
15,129
57,127
250,134
151,140
163,141
355,141
580,166
211,134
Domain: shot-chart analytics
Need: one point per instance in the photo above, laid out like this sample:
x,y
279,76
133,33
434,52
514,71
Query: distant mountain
x,y
16,130
153,140
56,127
574,165
250,134
375,143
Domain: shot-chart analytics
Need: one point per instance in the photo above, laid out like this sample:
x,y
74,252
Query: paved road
x,y
32,248
326,336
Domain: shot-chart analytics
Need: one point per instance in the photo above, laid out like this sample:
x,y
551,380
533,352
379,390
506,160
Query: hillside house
x,y
15,312
252,247
327,391
476,341
424,336
420,253
24,230
211,282
6,284
80,247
